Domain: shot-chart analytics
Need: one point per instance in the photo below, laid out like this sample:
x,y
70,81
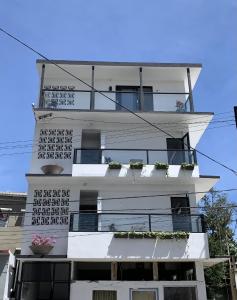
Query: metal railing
x,y
90,100
125,156
117,222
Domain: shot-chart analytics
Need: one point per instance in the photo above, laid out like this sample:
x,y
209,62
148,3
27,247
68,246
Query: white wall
x,y
82,245
82,290
113,135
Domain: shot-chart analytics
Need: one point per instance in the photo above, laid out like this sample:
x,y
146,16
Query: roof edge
x,y
111,63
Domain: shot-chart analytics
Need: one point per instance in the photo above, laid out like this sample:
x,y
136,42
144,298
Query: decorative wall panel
x,y
50,207
55,144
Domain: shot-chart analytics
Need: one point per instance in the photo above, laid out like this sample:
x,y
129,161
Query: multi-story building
x,y
12,207
124,230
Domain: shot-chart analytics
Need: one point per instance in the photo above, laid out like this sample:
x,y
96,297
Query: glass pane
x,y
91,156
104,295
29,291
44,290
180,293
88,222
143,295
37,272
148,99
62,272
61,291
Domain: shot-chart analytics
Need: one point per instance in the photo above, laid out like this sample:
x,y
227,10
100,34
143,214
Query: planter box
x,y
189,167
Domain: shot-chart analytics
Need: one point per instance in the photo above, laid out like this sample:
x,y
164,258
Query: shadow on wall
x,y
147,248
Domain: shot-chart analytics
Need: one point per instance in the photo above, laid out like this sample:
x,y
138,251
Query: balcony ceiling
x,y
202,183
117,70
187,121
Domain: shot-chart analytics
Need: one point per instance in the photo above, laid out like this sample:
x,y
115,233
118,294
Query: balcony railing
x,y
125,156
94,101
116,222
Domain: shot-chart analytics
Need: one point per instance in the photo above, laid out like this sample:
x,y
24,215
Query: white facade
x,y
82,131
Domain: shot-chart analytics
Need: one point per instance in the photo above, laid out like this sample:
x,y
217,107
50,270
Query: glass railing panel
x,y
123,222
67,99
157,156
103,103
161,223
124,156
116,222
170,102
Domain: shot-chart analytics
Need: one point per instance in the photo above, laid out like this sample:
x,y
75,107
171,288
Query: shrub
x,y
114,165
186,166
161,166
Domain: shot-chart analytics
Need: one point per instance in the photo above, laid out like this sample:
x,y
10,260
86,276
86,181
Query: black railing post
x,y
190,91
41,97
141,96
92,102
149,218
75,156
195,157
147,157
71,222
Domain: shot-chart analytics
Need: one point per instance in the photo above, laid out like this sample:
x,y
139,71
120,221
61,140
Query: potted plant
x,y
114,165
186,166
136,165
161,166
42,244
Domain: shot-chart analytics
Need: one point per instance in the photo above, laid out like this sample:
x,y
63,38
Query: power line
x,y
110,122
154,196
108,143
104,95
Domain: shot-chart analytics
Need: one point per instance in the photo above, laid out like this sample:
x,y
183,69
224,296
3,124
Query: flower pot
x,y
52,169
41,249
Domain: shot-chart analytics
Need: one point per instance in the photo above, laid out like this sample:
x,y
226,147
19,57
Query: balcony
x,y
116,222
91,236
125,156
59,98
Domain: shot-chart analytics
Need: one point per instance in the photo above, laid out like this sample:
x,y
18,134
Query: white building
x,y
90,207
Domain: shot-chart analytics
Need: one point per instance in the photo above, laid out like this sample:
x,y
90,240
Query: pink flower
x,y
39,240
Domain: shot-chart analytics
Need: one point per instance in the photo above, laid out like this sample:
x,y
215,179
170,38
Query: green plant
x,y
161,166
186,166
153,235
136,165
114,165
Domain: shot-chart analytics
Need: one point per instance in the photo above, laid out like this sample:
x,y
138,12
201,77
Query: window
x,y
144,294
44,281
181,214
104,295
169,271
88,219
135,271
90,144
130,97
180,293
92,271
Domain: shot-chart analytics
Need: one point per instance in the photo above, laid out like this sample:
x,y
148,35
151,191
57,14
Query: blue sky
x,y
151,31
